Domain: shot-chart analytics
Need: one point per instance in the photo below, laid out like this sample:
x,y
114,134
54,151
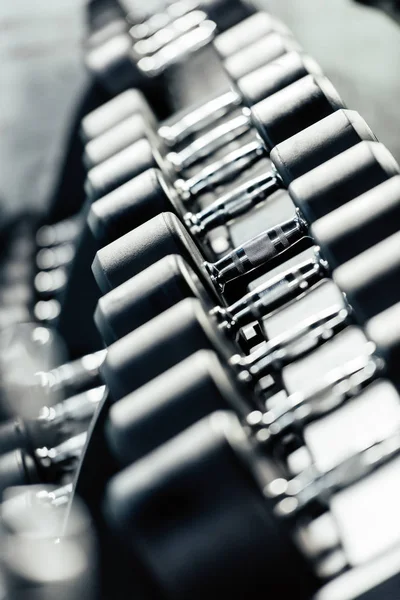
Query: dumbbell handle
x,y
256,252
211,142
271,295
234,204
292,345
200,118
170,33
162,19
329,394
172,53
311,485
221,171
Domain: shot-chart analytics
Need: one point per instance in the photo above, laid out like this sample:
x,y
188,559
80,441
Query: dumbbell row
x,y
361,206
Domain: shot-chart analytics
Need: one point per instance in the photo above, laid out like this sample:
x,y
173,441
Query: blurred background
x,y
42,78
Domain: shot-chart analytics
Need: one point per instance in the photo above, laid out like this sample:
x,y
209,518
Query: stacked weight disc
x,y
228,298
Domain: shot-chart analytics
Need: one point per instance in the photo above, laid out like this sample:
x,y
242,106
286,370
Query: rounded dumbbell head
x,y
384,331
126,133
359,224
114,64
120,168
318,143
371,280
160,344
167,405
114,111
258,54
147,295
130,206
253,28
135,251
200,491
342,178
276,75
295,108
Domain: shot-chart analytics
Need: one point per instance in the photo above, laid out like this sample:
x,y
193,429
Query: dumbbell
x,y
186,327
121,62
148,194
318,192
254,87
276,118
175,472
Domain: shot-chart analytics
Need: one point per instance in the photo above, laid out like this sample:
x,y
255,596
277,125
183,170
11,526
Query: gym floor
x,y
42,78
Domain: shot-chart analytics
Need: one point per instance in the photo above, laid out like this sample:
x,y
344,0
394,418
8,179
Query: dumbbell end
x,y
100,276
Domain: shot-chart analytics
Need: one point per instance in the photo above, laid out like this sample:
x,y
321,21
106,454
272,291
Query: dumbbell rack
x,y
230,417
